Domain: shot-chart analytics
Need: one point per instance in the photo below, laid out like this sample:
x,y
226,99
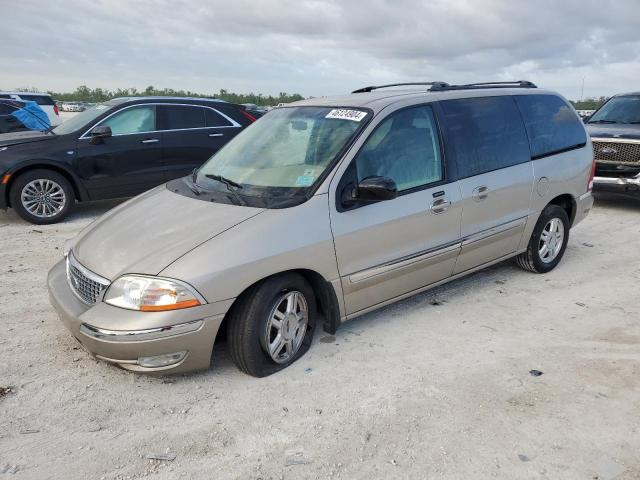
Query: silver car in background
x,y
324,210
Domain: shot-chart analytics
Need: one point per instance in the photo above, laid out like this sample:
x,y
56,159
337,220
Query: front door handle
x,y
150,140
480,193
440,205
216,134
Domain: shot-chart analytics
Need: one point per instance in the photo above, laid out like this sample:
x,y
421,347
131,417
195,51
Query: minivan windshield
x,y
283,153
624,109
81,119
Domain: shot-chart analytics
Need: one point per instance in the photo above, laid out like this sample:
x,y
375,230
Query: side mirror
x,y
371,189
98,133
586,119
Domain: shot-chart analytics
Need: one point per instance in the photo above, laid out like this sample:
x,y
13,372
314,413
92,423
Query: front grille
x,y
85,284
619,152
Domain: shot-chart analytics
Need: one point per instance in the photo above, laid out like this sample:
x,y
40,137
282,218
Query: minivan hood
x,y
16,138
149,232
614,130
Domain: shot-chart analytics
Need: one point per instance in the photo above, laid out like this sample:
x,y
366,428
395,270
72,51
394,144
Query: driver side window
x,y
132,120
405,148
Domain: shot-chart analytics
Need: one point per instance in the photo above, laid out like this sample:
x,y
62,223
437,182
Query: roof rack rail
x,y
471,86
375,87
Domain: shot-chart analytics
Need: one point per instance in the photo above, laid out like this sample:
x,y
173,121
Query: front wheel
x,y
548,241
272,325
42,196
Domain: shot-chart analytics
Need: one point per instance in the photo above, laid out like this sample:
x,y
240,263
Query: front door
x,y
127,163
390,248
493,160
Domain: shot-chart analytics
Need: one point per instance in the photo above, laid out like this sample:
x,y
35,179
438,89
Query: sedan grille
x,y
87,286
617,151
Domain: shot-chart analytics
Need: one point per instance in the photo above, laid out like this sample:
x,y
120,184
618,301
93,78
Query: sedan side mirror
x,y
98,133
371,189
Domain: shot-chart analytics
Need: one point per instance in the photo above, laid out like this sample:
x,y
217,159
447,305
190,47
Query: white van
x,y
43,99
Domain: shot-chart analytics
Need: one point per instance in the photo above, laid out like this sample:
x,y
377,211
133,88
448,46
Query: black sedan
x,y
116,149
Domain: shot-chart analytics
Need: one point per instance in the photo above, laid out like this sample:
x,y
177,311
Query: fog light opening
x,y
163,360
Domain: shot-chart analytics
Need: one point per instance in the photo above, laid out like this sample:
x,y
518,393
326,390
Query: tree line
x,y
96,95
589,103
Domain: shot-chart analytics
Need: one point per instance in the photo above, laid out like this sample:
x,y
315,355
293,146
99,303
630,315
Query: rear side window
x,y
214,119
486,134
176,117
552,125
39,99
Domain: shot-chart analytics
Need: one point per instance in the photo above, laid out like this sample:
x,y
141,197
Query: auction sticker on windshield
x,y
344,114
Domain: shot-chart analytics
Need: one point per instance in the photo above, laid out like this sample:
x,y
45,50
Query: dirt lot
x,y
437,386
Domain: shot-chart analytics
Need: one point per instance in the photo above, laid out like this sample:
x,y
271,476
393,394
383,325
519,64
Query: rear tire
x,y
548,241
42,196
252,321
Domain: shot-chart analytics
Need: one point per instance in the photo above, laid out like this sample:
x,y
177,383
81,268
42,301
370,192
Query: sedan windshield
x,y
285,152
624,109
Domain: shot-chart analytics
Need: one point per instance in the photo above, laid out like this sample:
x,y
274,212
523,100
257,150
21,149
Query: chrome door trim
x,y
427,287
234,124
504,227
403,262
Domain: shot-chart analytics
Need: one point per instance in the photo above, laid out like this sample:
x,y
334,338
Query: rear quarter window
x,y
485,133
39,99
552,125
214,119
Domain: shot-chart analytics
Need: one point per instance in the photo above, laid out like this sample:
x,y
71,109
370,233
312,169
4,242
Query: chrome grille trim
x,y
86,285
616,150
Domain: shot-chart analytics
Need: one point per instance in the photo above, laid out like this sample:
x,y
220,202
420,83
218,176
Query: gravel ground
x,y
436,386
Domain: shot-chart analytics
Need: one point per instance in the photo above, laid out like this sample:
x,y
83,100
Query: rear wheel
x,y
272,325
548,241
42,196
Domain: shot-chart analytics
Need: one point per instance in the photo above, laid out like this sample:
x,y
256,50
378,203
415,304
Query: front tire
x,y
272,325
548,241
42,196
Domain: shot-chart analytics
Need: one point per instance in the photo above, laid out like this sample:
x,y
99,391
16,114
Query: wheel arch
x,y
325,295
568,203
78,190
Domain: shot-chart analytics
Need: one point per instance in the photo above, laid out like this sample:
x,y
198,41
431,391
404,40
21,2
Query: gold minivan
x,y
321,211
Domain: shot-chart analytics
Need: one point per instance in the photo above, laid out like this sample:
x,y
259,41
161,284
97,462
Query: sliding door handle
x,y
480,193
440,205
150,140
216,134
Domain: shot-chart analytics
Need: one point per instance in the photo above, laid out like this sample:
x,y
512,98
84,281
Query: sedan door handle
x,y
216,134
480,193
440,205
150,140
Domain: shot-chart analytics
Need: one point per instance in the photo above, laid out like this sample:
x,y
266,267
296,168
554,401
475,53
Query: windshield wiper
x,y
230,184
604,121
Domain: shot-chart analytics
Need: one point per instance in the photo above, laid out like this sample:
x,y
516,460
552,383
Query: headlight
x,y
151,294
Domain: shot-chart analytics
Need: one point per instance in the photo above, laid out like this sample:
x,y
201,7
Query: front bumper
x,y
122,336
619,184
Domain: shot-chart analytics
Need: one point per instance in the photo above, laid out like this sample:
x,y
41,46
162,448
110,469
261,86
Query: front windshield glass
x,y
285,151
81,119
619,110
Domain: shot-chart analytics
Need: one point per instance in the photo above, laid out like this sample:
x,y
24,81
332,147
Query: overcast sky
x,y
319,47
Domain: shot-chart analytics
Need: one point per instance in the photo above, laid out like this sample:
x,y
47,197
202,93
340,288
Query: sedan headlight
x,y
151,294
